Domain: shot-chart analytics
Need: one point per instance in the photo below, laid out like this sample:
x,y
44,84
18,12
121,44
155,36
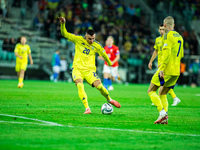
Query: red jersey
x,y
112,52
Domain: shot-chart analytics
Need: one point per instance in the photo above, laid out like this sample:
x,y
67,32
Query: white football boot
x,y
176,100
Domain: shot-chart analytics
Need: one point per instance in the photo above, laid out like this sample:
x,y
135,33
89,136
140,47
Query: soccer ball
x,y
106,109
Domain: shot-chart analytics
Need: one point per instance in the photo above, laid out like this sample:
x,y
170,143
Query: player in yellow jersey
x,y
84,64
158,52
169,70
22,52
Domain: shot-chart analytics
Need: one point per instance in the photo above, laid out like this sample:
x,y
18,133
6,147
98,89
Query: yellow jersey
x,y
172,52
158,47
84,57
22,50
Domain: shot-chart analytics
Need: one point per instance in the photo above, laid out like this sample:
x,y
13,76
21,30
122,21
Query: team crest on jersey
x,y
83,43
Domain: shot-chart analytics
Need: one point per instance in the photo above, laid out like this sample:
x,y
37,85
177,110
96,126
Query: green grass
x,y
132,124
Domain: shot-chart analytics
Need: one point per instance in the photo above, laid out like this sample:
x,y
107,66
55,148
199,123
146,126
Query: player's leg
x,y
110,88
106,72
22,67
154,96
163,101
169,84
105,93
78,79
92,78
154,85
56,70
176,100
17,69
113,71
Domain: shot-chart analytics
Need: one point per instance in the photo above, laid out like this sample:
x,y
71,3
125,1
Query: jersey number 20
x,y
86,51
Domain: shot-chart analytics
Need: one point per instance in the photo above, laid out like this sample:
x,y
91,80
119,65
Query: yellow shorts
x,y
168,81
89,76
21,66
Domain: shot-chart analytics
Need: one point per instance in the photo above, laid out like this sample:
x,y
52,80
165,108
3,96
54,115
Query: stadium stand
x,y
133,24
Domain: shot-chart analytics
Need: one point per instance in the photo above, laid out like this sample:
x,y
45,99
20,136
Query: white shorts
x,y
111,70
56,69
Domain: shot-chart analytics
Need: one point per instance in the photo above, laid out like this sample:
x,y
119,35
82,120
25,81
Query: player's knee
x,y
78,81
96,83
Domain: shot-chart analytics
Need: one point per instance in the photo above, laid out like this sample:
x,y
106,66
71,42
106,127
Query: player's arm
x,y
166,54
69,36
30,58
102,53
16,52
154,55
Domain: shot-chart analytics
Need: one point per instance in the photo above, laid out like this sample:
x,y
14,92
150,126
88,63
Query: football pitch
x,y
46,115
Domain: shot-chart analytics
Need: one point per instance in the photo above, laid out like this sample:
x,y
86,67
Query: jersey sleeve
x,y
117,51
29,49
166,51
71,37
101,51
16,48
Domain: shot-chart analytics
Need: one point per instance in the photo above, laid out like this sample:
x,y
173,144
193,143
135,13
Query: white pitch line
x,y
197,94
97,128
23,123
46,122
138,131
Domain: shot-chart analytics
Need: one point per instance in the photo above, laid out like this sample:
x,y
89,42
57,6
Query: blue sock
x,y
109,82
105,83
55,75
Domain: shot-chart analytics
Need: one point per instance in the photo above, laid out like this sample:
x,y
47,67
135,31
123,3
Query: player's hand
x,y
150,65
161,74
62,19
100,58
20,57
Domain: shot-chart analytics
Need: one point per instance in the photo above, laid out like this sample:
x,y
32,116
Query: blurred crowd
x,y
126,23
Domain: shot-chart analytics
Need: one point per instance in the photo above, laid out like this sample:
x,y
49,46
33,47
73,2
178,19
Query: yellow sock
x,y
21,80
171,92
82,94
103,91
164,102
156,100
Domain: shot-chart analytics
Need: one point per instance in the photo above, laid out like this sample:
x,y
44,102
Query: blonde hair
x,y
169,21
110,37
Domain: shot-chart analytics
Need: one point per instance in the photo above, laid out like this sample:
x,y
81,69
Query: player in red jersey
x,y
111,72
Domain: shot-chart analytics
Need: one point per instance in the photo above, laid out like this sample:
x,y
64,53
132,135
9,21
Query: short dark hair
x,y
161,25
90,32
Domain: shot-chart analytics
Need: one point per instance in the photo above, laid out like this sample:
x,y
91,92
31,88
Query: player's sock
x,y
55,75
82,94
164,102
156,100
171,92
103,91
109,82
105,83
21,80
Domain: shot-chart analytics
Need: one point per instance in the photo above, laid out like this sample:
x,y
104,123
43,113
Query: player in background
x,y
55,65
110,73
169,70
22,52
84,64
158,52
